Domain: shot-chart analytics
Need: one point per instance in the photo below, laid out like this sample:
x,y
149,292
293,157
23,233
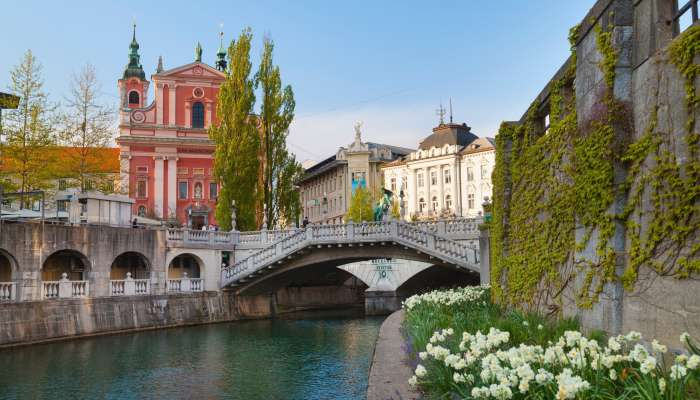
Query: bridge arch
x,y
71,262
130,261
317,260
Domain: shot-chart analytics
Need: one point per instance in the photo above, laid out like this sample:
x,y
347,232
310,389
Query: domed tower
x,y
133,86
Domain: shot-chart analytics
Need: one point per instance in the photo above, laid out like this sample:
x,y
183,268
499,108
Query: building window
x,y
182,190
61,205
62,184
421,205
198,190
404,183
421,180
198,171
141,192
142,211
470,174
470,201
448,177
484,172
448,202
435,203
213,190
393,184
133,98
198,115
89,184
433,178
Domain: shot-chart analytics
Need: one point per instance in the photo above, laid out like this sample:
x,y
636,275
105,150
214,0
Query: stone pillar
x,y
129,285
65,287
380,302
185,284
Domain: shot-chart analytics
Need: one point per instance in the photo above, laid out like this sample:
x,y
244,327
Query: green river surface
x,y
319,357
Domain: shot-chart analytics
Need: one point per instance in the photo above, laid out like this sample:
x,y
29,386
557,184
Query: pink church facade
x,y
166,156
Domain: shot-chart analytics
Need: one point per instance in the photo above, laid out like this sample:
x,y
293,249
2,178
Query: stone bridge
x,y
321,246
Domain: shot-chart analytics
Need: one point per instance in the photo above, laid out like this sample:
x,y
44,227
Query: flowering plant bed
x,y
467,347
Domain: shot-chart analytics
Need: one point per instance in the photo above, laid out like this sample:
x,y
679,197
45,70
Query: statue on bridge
x,y
381,211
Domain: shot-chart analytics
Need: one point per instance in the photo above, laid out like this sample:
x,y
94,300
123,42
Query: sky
x,y
388,64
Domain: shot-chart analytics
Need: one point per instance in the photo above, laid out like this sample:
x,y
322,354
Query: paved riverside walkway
x,y
390,371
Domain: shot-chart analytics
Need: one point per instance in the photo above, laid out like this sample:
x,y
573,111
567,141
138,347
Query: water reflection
x,y
309,358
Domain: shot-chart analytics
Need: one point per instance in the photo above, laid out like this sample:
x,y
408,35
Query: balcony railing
x,y
185,285
129,286
64,289
8,291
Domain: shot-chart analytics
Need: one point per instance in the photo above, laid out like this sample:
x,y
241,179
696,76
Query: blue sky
x,y
386,63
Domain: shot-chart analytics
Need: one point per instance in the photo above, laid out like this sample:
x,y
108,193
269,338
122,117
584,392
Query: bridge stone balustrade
x,y
420,237
460,229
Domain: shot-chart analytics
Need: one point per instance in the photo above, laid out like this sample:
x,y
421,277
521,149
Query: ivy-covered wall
x,y
597,187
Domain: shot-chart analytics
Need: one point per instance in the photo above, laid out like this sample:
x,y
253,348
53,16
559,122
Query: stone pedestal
x,y
381,302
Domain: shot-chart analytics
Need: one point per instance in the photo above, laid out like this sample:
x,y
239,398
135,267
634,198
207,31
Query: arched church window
x,y
421,205
448,202
133,98
198,115
435,203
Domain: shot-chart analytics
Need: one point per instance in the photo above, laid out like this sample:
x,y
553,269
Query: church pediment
x,y
194,70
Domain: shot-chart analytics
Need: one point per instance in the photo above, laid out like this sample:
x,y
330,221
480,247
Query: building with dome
x,y
166,156
448,175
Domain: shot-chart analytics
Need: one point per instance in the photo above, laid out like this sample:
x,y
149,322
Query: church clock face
x,y
138,116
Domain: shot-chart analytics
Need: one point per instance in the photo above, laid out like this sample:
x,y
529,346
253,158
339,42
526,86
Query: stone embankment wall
x,y
38,321
596,212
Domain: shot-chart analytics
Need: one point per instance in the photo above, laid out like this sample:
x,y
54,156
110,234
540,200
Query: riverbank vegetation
x,y
467,347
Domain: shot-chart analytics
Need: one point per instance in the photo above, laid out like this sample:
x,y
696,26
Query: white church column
x,y
207,115
172,185
159,104
171,104
158,187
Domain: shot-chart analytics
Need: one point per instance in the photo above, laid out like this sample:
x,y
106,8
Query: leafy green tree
x,y
278,169
237,139
360,206
88,126
29,129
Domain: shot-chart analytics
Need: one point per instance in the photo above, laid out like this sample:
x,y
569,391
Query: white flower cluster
x,y
448,297
485,367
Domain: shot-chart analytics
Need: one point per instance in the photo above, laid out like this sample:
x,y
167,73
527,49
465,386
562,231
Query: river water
x,y
311,358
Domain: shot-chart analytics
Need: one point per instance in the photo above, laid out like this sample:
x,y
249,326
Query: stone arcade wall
x,y
653,93
30,244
